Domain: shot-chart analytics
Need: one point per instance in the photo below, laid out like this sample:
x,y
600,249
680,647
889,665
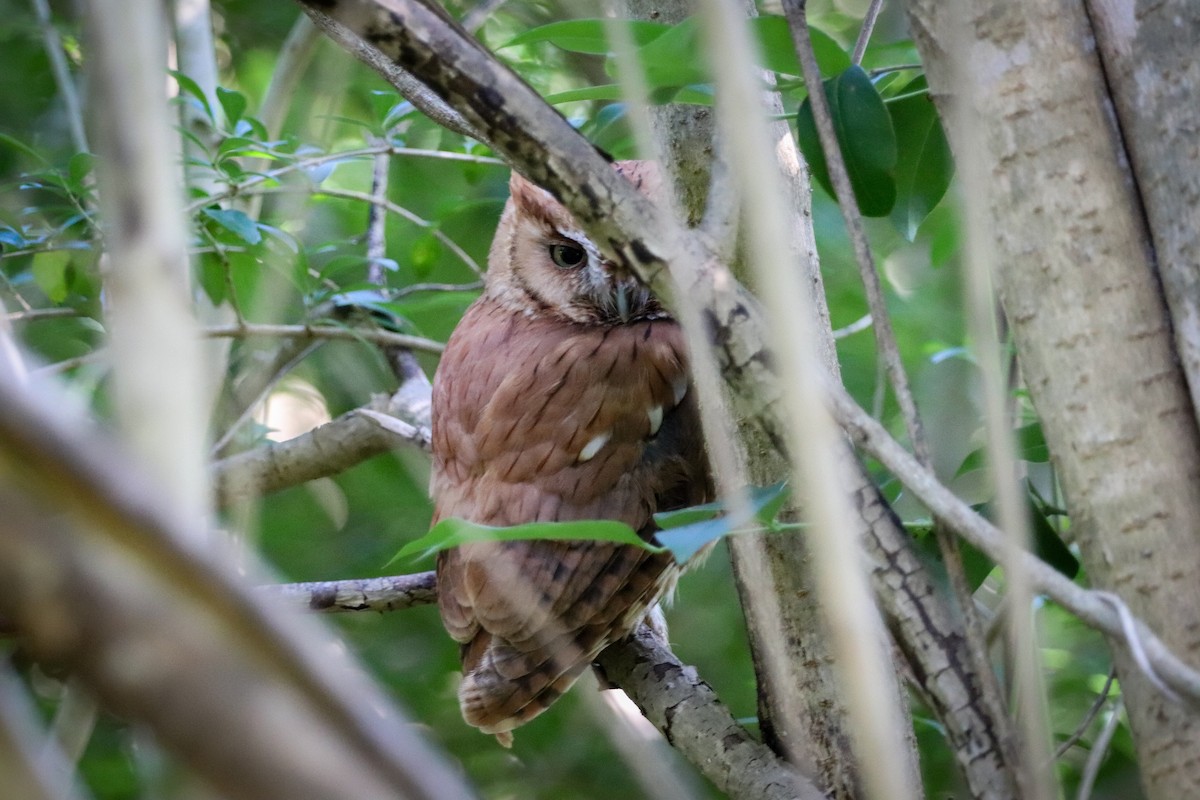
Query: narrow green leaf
x,y
192,89
864,133
609,91
686,531
1049,546
671,59
455,532
17,144
684,542
236,223
587,35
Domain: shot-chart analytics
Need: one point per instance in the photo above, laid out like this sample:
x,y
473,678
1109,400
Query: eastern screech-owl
x,y
562,395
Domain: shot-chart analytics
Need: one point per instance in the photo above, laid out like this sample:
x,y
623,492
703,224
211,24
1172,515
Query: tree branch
x,y
1095,608
96,577
671,694
317,332
369,594
402,419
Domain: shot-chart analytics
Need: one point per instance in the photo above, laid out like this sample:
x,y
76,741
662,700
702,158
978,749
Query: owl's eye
x,y
567,256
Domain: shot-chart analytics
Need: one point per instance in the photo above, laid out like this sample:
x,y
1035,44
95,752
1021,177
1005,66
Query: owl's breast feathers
x,y
537,419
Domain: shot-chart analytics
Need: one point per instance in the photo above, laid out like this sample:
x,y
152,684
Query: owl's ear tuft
x,y
533,201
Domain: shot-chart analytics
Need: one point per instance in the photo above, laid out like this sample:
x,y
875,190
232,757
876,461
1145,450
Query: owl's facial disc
x,y
602,288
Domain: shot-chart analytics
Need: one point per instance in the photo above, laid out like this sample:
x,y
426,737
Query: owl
x,y
563,394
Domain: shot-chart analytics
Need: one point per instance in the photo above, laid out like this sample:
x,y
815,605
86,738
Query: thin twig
x,y
885,337
377,221
325,158
886,766
371,335
401,211
404,418
877,71
290,65
67,364
1099,749
864,33
886,345
1086,722
43,313
248,389
860,324
1096,609
62,75
74,720
414,288
404,82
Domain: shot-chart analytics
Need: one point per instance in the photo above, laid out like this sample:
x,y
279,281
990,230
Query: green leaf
x,y
17,144
1048,546
831,58
609,91
672,59
1031,446
454,532
686,531
587,35
189,87
426,251
78,169
50,273
233,103
384,103
245,274
779,52
864,133
236,223
211,277
924,167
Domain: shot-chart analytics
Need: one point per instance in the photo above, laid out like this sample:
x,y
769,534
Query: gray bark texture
x,y
1076,272
1148,54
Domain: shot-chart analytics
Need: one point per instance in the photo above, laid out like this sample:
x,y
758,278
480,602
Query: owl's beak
x,y
622,301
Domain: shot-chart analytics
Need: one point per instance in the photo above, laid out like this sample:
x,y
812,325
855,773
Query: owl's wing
x,y
541,424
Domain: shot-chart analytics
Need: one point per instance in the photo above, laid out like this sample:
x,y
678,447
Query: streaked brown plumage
x,y
562,395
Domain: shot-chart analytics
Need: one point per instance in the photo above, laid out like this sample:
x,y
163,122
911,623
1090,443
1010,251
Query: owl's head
x,y
542,263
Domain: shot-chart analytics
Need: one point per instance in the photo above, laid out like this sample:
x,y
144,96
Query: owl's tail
x,y
504,686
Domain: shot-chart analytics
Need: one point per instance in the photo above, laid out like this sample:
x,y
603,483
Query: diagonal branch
x,y
97,577
671,694
386,423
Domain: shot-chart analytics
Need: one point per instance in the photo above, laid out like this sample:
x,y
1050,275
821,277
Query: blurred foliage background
x,y
286,260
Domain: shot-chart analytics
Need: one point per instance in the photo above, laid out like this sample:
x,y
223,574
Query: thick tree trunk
x,y
1148,52
1076,272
